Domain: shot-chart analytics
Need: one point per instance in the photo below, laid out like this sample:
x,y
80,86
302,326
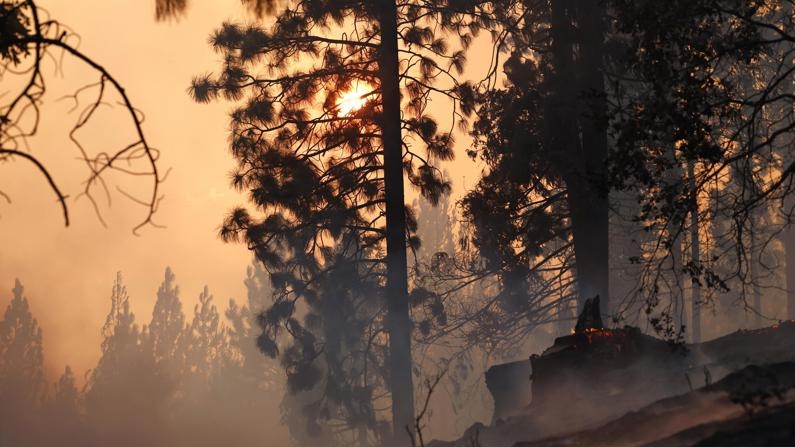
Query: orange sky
x,y
68,272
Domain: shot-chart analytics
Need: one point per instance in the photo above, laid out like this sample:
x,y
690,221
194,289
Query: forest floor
x,y
752,407
752,404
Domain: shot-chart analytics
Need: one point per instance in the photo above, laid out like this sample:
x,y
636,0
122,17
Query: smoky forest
x,y
397,223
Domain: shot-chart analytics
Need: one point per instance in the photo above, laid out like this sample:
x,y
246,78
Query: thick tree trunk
x,y
399,323
560,110
588,190
578,139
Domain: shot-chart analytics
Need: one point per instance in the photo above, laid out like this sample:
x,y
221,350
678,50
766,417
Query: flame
x,y
590,333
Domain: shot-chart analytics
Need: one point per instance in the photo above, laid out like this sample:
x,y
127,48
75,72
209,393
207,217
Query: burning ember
x,y
590,318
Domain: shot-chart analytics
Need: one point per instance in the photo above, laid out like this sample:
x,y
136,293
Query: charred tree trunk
x,y
560,108
578,138
399,323
591,224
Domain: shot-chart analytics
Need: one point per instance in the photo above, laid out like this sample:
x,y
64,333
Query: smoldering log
x,y
596,374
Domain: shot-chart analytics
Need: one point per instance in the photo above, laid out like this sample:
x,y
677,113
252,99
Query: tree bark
x,y
399,323
588,186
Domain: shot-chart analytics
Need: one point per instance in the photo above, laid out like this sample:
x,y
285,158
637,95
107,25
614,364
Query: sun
x,y
352,100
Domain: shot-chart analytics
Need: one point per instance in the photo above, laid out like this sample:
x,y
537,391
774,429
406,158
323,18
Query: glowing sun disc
x,y
352,100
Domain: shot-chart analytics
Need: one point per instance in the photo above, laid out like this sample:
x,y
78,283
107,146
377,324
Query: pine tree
x,y
788,88
326,169
21,353
206,339
62,416
205,396
243,319
22,385
255,369
245,377
668,83
126,395
66,394
167,325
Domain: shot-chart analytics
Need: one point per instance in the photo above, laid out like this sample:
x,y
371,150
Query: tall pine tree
x,y
324,143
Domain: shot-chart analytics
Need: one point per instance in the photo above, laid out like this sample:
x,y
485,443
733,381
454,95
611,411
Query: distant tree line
x,y
174,381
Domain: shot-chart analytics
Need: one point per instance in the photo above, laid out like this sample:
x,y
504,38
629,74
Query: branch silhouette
x,y
26,37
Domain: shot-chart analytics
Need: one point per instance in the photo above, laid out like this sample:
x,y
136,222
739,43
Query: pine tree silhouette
x,y
167,325
127,396
326,178
62,416
22,385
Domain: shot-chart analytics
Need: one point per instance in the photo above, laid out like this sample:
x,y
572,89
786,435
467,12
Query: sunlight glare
x,y
352,100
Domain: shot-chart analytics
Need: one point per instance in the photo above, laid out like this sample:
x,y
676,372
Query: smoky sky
x,y
68,272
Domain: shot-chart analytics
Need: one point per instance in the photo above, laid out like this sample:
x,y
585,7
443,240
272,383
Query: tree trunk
x,y
789,201
674,177
588,192
753,319
625,247
789,249
566,151
677,289
399,323
695,256
753,268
